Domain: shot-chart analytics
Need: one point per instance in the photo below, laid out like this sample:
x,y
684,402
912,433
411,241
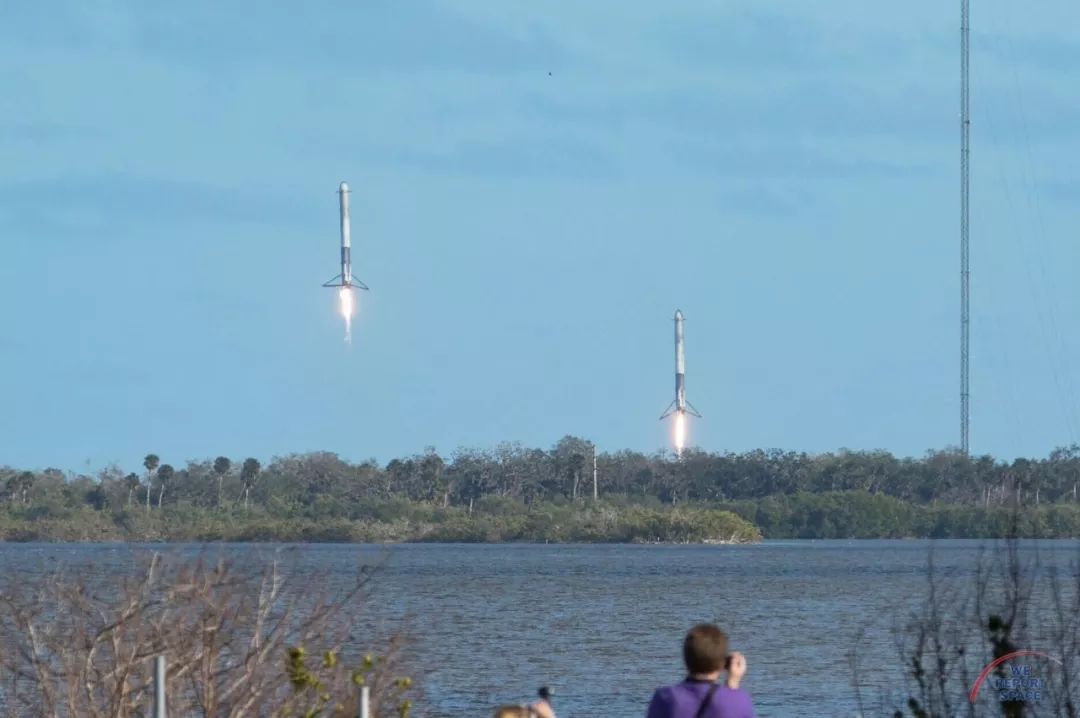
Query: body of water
x,y
603,624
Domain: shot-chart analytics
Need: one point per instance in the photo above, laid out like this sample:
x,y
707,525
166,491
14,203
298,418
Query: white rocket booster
x,y
680,405
345,279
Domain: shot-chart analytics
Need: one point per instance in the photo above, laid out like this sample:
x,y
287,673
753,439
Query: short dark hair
x,y
705,649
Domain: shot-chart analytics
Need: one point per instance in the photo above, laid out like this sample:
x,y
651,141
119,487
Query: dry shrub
x,y
235,643
1014,601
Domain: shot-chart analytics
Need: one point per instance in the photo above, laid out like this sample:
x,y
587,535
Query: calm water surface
x,y
603,624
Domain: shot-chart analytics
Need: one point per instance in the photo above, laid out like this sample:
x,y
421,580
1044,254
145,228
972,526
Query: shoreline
x,y
840,516
388,542
189,541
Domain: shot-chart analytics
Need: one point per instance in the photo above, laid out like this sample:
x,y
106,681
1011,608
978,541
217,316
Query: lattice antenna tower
x,y
965,269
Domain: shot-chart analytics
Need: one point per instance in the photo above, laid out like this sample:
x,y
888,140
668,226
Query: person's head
x,y
705,649
544,693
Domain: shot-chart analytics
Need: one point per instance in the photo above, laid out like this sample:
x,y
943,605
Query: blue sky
x,y
785,173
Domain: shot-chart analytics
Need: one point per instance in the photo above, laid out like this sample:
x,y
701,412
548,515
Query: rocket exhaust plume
x,y
679,433
344,281
346,298
680,407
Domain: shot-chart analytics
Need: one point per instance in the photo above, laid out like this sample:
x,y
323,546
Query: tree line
x,y
323,483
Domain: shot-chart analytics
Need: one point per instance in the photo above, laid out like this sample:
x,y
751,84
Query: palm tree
x,y
164,475
26,482
432,474
577,466
18,486
222,464
150,463
132,481
249,474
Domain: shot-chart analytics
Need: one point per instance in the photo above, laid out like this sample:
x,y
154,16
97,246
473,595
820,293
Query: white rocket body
x,y
345,278
680,365
680,405
346,240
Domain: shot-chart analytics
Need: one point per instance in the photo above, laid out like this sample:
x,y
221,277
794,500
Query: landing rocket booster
x,y
680,405
345,279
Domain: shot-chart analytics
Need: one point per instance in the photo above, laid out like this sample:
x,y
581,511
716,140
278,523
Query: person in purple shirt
x,y
701,695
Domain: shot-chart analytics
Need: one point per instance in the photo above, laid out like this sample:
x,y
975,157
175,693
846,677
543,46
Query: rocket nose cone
x,y
678,315
343,187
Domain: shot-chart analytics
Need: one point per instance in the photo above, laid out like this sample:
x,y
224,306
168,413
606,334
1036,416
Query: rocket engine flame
x,y
346,299
679,432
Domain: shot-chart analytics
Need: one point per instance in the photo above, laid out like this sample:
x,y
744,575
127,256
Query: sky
x,y
537,187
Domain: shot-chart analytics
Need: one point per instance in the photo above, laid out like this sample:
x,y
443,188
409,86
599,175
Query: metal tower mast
x,y
965,272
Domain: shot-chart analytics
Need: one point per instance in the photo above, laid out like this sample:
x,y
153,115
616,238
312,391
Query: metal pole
x,y
365,702
965,270
159,687
595,492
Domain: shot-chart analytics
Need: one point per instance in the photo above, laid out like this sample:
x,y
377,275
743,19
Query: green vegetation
x,y
513,493
859,514
316,684
387,521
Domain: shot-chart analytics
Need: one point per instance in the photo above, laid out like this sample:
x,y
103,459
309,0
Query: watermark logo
x,y
1020,685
